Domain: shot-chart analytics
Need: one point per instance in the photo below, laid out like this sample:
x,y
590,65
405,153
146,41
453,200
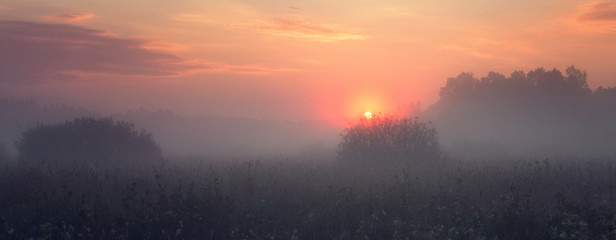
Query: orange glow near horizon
x,y
290,59
368,115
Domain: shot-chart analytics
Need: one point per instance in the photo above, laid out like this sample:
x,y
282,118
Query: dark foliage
x,y
522,199
385,138
18,115
87,140
537,83
540,112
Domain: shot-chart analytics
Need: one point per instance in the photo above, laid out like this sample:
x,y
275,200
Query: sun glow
x,y
368,115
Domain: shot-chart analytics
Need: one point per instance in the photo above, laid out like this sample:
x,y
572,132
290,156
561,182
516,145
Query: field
x,y
280,198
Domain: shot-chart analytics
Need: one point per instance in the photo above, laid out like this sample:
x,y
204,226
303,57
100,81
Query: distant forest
x,y
539,112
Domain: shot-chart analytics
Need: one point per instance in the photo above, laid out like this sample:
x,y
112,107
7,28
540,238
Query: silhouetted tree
x,y
460,86
385,138
554,82
608,93
576,79
87,140
493,78
538,82
539,110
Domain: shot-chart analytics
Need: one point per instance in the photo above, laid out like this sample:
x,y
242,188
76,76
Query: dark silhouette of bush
x,y
87,140
389,138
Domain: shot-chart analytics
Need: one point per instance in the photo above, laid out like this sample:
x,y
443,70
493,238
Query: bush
x,y
385,137
87,140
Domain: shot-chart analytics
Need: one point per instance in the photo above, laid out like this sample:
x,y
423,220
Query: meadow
x,y
301,198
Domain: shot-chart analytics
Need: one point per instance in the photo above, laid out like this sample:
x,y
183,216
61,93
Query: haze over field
x,y
321,119
320,63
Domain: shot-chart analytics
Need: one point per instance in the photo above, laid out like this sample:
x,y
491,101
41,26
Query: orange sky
x,y
297,60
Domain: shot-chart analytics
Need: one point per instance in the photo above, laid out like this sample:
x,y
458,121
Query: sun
x,y
368,115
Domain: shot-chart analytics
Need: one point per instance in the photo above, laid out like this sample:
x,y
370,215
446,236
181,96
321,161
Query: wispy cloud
x,y
309,30
255,69
288,27
193,18
36,52
295,8
478,52
466,50
162,46
596,16
598,11
69,17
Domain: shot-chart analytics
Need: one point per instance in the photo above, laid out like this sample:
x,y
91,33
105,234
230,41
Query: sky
x,y
329,60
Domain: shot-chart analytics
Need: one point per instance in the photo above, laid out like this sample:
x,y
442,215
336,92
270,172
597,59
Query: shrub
x,y
385,137
87,140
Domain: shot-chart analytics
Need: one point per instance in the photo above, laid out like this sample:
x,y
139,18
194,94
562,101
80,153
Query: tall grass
x,y
277,198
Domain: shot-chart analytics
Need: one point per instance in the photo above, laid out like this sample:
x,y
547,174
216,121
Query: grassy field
x,y
279,198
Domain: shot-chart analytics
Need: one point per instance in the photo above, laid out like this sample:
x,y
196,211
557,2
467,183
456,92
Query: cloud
x,y
288,27
162,45
295,8
595,17
38,52
309,30
70,17
193,18
254,69
598,11
475,53
466,50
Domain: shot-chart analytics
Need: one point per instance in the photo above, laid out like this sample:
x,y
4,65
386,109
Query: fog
x,y
307,119
539,113
226,136
203,136
529,156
